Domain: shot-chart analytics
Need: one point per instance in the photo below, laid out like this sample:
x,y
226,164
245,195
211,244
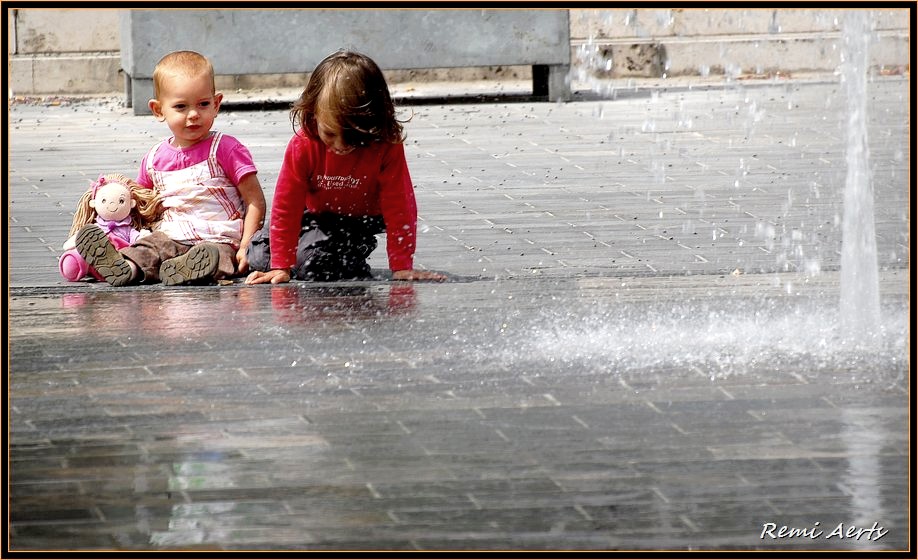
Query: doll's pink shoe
x,y
93,245
73,267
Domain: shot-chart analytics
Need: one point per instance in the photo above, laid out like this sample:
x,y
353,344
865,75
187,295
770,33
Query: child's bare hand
x,y
242,262
410,274
275,276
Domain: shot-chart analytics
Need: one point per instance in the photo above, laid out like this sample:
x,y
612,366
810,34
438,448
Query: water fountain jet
x,y
859,306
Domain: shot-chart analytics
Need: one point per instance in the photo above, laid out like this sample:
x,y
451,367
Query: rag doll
x,y
121,207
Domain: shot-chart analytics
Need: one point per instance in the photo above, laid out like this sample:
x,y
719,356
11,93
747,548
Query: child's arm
x,y
273,276
399,207
287,211
254,199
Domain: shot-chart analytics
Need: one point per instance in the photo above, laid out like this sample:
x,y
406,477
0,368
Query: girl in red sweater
x,y
343,180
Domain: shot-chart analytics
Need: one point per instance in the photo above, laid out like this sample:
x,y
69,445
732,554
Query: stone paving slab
x,y
638,350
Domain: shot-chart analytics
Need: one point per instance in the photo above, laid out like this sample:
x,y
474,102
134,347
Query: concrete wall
x,y
74,51
734,42
63,51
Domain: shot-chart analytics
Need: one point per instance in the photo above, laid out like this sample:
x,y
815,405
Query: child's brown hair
x,y
182,63
148,210
351,89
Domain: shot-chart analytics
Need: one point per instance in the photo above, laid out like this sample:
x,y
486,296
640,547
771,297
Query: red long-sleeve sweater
x,y
369,181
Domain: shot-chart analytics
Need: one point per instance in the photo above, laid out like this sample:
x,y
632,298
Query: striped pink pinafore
x,y
200,203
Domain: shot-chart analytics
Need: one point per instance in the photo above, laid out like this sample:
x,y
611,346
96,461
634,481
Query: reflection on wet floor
x,y
293,304
382,415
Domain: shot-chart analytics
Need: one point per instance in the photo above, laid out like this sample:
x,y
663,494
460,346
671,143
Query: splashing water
x,y
859,309
717,338
843,331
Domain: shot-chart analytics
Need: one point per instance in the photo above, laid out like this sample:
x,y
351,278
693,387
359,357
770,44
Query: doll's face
x,y
113,201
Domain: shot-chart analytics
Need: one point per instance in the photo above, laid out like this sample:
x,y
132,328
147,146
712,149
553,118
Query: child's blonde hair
x,y
148,210
351,89
189,64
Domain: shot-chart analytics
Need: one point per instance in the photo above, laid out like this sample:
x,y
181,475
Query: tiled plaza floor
x,y
639,348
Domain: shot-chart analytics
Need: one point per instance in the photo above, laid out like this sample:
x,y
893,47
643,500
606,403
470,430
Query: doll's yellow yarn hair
x,y
148,210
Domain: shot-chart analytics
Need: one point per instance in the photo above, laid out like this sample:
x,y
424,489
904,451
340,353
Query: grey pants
x,y
149,252
331,247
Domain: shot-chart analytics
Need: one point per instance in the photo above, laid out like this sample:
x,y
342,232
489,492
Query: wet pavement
x,y
638,349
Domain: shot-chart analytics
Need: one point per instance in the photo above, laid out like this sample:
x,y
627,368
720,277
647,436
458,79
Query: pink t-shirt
x,y
199,188
232,156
